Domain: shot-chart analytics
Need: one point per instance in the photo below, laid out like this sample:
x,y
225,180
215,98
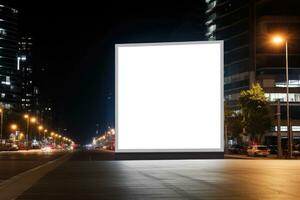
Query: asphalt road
x,y
94,175
15,162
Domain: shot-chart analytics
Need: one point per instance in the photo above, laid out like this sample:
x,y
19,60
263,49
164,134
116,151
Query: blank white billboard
x,y
169,97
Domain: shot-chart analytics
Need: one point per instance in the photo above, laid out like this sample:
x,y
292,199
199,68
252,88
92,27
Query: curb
x,y
237,157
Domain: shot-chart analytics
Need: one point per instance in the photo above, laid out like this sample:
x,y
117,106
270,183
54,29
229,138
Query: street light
x,y
278,40
32,119
45,131
40,127
13,127
26,116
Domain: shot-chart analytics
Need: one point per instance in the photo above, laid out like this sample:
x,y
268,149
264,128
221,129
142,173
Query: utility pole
x,y
290,139
279,149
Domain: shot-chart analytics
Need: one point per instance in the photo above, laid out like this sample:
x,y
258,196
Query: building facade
x,y
29,91
10,78
246,26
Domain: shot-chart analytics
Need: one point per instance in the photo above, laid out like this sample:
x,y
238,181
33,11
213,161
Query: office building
x,y
10,80
29,91
246,26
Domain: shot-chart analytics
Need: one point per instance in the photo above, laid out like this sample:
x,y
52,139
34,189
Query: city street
x,y
95,175
15,162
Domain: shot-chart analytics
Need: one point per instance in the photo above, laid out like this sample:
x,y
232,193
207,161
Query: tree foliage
x,y
256,112
233,122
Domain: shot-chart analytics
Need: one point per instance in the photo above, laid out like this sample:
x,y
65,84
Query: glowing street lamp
x,y
26,117
14,127
33,120
40,128
279,40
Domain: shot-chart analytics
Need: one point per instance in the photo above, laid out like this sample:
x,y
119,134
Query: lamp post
x,y
14,129
33,120
26,116
277,39
52,134
45,131
40,128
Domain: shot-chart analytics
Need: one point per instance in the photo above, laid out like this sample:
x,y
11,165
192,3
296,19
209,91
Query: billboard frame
x,y
147,151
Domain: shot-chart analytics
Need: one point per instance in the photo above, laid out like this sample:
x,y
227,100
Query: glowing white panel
x,y
169,97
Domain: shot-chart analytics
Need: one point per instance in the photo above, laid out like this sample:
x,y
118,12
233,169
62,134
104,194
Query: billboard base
x,y
169,155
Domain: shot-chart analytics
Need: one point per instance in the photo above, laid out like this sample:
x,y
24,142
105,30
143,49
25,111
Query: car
x,y
237,149
273,149
258,150
10,147
47,148
35,146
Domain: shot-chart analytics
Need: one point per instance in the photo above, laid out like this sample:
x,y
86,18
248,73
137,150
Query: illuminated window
x,y
293,97
7,81
2,31
211,6
212,28
292,84
284,128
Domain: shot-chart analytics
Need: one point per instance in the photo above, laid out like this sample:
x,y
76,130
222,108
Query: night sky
x,y
74,43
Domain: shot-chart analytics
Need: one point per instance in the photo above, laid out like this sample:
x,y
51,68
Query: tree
x,y
256,112
233,124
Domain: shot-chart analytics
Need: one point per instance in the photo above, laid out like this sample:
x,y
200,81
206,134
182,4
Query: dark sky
x,y
74,42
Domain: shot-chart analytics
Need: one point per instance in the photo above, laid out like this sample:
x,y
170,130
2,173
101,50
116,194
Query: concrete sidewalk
x,y
270,157
86,176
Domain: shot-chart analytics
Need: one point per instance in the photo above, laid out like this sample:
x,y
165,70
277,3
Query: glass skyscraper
x,y
10,78
246,26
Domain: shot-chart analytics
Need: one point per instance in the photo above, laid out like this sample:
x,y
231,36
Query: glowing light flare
x,y
278,39
14,127
33,120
